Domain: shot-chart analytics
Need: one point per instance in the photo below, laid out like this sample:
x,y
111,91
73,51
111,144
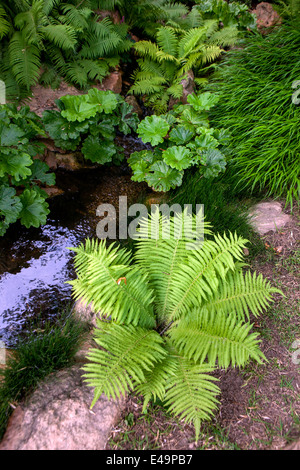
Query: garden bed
x,y
260,405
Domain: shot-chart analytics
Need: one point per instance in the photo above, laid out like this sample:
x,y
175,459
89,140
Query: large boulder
x,y
267,17
57,416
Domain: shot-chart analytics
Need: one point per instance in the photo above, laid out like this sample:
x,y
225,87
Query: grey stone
x,y
57,416
85,312
268,216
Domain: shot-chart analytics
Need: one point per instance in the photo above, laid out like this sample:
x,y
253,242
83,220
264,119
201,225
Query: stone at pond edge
x,y
85,313
57,416
268,216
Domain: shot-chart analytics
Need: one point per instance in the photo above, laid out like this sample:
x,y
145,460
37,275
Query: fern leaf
x,y
242,294
29,23
199,277
191,393
99,270
146,48
154,385
76,18
163,253
62,35
201,336
126,354
4,23
24,59
167,41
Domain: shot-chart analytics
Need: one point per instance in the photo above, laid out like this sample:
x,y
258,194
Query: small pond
x,y
35,263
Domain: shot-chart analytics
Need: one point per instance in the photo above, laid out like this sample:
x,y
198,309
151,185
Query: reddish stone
x,y
267,17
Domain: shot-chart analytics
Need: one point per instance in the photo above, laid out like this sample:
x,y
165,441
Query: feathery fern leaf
x,y
241,294
218,338
128,353
24,59
192,393
129,301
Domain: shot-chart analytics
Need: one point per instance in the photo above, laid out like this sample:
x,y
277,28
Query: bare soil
x,y
260,404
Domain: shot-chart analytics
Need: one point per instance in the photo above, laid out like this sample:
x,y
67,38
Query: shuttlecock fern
x,y
170,314
164,63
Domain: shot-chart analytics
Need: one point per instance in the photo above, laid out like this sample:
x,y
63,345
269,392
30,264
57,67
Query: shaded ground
x,y
260,405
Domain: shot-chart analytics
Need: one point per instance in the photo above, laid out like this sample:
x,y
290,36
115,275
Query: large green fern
x,y
171,315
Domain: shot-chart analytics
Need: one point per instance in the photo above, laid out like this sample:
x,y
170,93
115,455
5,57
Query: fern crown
x,y
169,316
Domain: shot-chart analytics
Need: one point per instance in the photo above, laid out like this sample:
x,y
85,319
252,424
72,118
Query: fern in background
x,y
146,16
52,38
189,42
169,319
165,63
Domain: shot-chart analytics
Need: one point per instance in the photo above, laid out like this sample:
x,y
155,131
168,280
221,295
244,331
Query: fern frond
x,y
193,37
99,269
24,60
148,69
175,90
146,48
217,338
163,248
210,53
76,18
126,354
5,24
148,85
63,36
242,294
224,37
167,41
156,380
191,392
30,21
199,277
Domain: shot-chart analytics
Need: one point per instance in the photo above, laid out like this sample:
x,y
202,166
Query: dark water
x,y
35,263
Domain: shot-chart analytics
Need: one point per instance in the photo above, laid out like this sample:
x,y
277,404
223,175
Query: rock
x,y
57,416
81,354
51,159
130,99
155,198
113,82
188,84
267,17
5,356
68,161
268,216
114,15
53,191
85,313
44,98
